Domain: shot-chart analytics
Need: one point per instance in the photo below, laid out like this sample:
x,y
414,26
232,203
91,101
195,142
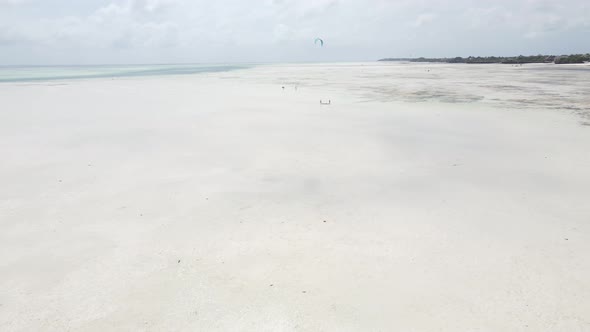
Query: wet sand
x,y
424,198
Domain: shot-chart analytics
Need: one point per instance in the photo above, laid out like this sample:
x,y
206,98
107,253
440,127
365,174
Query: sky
x,y
40,32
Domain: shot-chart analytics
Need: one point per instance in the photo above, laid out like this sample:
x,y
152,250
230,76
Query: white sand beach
x,y
424,198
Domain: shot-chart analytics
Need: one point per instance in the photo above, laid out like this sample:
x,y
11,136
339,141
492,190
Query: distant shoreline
x,y
521,59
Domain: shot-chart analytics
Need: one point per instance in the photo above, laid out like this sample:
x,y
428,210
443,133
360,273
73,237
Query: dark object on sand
x,y
324,103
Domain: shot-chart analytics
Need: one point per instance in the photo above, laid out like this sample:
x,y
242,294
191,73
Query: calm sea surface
x,y
46,73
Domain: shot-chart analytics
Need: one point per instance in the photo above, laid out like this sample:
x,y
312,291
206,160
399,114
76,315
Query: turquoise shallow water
x,y
48,73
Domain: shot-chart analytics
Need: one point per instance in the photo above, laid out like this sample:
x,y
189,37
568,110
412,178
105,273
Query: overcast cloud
x,y
168,31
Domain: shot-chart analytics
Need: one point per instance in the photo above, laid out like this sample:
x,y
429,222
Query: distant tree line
x,y
521,59
576,58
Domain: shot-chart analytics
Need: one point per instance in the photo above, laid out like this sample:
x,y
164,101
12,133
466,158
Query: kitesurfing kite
x,y
319,40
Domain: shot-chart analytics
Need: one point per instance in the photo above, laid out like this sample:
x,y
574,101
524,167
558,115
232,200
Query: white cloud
x,y
112,9
282,32
12,2
154,5
423,19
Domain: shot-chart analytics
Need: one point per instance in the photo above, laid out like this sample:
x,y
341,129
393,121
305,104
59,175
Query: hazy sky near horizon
x,y
168,31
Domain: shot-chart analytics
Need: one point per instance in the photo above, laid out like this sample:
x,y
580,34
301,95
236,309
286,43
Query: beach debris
x,y
320,41
271,285
304,292
325,221
324,103
179,261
